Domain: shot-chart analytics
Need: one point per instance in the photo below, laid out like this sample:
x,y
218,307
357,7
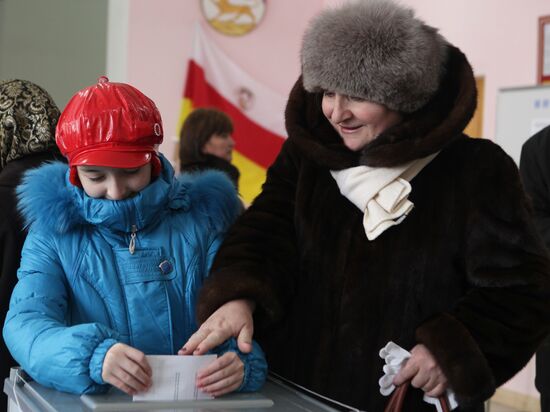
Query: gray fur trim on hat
x,y
376,50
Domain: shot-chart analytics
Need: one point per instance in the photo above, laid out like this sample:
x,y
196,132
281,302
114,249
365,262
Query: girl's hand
x,y
127,369
233,319
423,371
222,376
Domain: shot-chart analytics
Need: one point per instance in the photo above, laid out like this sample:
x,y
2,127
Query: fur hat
x,y
376,50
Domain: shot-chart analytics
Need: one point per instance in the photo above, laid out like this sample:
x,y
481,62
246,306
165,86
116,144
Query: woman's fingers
x,y
407,372
213,339
244,340
194,341
420,380
206,338
232,319
438,390
437,384
423,371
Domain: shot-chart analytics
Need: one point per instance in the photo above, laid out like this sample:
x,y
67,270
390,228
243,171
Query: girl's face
x,y
356,120
113,183
220,145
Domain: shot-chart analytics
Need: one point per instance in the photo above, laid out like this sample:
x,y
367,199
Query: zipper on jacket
x,y
132,245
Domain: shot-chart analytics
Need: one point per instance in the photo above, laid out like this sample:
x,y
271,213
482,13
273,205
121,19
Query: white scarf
x,y
380,192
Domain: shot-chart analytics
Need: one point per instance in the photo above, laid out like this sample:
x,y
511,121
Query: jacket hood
x,y
421,133
48,200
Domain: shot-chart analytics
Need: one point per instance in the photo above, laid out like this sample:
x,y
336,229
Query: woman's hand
x,y
233,319
423,371
222,376
127,369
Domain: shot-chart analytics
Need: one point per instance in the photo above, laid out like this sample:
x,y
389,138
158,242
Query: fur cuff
x,y
459,357
224,287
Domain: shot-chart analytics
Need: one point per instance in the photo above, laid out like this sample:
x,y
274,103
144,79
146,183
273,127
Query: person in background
x,y
382,231
116,253
28,116
206,143
534,169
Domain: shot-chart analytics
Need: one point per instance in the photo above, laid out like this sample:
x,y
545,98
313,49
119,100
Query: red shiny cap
x,y
109,124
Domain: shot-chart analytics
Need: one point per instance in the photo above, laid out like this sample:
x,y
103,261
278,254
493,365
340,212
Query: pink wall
x,y
160,39
499,38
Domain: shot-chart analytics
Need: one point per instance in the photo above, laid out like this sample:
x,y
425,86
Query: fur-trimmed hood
x,y
48,199
426,131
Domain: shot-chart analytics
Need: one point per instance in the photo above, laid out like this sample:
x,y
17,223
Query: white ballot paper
x,y
174,378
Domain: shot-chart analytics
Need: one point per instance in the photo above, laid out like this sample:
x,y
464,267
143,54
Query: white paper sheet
x,y
174,378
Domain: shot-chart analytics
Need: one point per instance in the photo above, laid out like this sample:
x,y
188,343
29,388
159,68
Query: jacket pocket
x,y
145,265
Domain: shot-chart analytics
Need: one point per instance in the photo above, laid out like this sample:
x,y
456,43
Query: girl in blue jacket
x,y
116,253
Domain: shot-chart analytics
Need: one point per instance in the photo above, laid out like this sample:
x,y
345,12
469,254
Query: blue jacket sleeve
x,y
37,331
255,365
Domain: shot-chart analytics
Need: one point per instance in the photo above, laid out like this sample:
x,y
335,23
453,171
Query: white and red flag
x,y
213,80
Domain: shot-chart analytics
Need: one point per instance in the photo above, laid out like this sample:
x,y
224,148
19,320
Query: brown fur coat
x,y
465,273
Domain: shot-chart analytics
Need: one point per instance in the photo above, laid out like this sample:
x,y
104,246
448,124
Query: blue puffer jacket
x,y
80,289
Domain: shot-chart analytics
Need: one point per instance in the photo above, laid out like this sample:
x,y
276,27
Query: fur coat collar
x,y
47,199
426,131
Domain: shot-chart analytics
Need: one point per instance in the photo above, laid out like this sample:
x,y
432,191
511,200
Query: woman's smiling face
x,y
357,121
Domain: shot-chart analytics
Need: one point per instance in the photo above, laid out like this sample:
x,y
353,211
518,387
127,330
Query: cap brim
x,y
110,158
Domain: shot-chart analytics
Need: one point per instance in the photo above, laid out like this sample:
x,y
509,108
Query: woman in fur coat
x,y
382,231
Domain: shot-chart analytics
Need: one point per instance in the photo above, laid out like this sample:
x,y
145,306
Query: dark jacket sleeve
x,y
493,331
534,169
241,268
535,175
12,237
